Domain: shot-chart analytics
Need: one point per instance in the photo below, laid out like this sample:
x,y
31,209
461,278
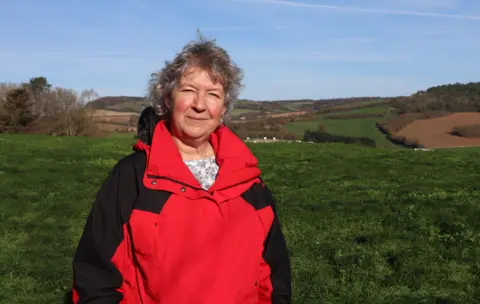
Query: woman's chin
x,y
196,132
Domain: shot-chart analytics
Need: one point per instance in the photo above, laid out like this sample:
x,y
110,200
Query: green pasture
x,y
361,127
363,225
372,110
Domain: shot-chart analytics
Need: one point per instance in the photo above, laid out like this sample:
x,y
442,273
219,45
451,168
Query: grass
x,y
363,225
361,127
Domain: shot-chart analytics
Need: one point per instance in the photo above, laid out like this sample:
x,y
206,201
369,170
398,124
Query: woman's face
x,y
197,107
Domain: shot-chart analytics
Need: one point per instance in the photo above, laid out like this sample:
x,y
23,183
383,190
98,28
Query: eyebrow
x,y
216,88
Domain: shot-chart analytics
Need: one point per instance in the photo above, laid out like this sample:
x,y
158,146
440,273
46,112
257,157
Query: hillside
x,y
137,104
429,106
379,119
119,103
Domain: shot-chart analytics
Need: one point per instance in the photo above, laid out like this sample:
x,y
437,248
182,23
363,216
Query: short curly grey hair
x,y
205,54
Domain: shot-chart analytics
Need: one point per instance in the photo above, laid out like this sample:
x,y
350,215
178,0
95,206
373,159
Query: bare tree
x,y
87,95
64,114
5,87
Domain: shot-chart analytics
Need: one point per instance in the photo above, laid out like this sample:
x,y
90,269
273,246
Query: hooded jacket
x,y
155,236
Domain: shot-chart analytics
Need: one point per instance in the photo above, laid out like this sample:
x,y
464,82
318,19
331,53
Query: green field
x,y
361,127
374,109
363,225
358,127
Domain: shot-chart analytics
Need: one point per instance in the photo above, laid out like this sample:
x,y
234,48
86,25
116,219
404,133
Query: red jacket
x,y
155,236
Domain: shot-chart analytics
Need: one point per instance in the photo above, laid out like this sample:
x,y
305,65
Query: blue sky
x,y
287,49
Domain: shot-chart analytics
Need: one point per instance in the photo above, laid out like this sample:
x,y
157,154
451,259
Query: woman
x,y
186,218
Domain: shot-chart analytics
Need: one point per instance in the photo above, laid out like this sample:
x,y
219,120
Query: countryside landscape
x,y
368,217
439,117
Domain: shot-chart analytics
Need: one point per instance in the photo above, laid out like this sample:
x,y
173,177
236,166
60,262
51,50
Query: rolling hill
x,y
377,118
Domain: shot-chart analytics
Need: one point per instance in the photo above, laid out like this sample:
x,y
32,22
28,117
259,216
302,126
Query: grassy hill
x,y
363,225
119,103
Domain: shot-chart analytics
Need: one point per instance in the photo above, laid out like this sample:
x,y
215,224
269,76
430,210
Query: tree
x,y
38,87
17,114
87,95
39,84
64,115
5,87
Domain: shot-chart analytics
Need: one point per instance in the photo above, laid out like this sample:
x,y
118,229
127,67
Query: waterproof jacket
x,y
155,236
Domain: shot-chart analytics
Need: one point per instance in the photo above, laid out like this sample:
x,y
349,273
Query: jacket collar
x,y
165,169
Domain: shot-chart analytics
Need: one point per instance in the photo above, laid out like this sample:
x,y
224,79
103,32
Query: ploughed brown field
x,y
435,132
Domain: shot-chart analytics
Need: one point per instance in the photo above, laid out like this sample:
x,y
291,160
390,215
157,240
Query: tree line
x,y
37,107
451,98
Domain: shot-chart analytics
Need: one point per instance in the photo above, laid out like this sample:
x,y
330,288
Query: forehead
x,y
201,77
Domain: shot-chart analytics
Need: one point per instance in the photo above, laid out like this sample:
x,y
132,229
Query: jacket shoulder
x,y
259,196
133,160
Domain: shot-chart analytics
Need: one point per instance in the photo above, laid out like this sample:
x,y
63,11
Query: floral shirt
x,y
205,170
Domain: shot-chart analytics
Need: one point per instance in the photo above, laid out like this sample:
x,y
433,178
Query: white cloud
x,y
417,4
353,9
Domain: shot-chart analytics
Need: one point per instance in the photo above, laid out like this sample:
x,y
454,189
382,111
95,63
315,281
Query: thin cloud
x,y
355,57
228,29
352,40
242,28
353,9
416,4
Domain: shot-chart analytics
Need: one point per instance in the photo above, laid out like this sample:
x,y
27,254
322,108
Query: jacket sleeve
x,y
275,269
97,278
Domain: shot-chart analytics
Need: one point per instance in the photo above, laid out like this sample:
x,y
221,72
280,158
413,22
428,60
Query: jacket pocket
x,y
144,228
144,233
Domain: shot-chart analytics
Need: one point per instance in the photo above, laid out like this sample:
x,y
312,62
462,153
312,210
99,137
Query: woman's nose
x,y
200,102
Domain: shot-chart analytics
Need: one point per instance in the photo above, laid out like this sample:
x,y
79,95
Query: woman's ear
x,y
168,103
224,109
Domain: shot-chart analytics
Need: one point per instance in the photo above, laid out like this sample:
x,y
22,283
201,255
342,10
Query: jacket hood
x,y
238,167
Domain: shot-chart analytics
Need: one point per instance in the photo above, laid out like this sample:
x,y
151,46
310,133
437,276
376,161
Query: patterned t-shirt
x,y
205,170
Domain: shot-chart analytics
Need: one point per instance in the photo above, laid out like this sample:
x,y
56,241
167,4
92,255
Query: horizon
x,y
289,50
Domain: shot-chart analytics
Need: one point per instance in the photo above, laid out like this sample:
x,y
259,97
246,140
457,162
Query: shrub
x,y
354,115
317,136
470,131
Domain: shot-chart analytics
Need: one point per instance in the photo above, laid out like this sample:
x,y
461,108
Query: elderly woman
x,y
185,218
